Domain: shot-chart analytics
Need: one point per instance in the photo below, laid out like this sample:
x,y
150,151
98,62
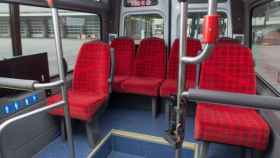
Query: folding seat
x,y
230,68
148,70
90,86
169,86
124,54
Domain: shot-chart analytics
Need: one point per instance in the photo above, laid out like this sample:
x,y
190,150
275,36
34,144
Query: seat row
x,y
144,71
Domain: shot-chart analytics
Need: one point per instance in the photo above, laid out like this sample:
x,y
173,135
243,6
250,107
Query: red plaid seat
x,y
90,82
149,68
230,68
124,53
169,86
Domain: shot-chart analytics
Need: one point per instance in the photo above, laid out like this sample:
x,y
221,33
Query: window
x,y
38,36
5,37
206,1
141,26
266,41
195,21
140,3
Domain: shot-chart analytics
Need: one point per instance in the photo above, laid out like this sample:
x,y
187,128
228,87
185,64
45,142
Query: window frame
x,y
250,43
143,14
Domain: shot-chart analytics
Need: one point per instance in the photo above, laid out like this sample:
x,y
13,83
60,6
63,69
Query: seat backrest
x,y
150,58
229,68
193,47
124,53
92,69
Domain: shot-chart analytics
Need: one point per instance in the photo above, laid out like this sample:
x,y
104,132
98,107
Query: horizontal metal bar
x,y
20,84
28,114
29,85
49,85
200,57
234,99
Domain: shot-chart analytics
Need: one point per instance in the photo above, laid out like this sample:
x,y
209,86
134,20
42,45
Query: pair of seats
x,y
144,73
90,87
230,68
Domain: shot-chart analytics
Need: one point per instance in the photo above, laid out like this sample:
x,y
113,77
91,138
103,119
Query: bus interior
x,y
139,78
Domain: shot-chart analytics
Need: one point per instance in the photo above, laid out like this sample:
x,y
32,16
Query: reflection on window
x,y
37,33
195,21
266,41
141,26
5,36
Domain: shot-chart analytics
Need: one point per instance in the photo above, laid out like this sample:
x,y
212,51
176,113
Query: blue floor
x,y
134,120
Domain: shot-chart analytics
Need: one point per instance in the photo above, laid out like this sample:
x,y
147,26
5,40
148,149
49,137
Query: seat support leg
x,y
63,129
167,110
92,130
155,107
202,150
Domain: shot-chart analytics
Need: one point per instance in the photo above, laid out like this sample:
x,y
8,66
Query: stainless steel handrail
x,y
25,115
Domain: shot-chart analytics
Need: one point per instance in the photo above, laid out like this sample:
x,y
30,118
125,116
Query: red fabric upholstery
x,y
169,86
90,82
124,53
230,68
149,68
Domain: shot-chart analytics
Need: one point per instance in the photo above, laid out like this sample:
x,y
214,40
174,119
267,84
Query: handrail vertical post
x,y
181,73
59,51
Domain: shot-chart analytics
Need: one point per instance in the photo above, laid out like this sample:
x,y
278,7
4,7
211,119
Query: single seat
x,y
148,70
90,87
124,54
169,86
230,68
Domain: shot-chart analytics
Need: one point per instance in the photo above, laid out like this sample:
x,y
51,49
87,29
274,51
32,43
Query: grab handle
x,y
210,34
19,84
28,85
233,99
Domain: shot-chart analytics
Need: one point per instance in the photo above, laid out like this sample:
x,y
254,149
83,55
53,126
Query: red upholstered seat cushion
x,y
81,106
124,54
149,68
117,83
169,86
230,68
143,86
90,81
233,126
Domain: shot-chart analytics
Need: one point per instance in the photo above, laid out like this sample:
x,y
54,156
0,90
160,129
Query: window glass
x,y
5,36
206,1
266,41
195,22
141,26
38,36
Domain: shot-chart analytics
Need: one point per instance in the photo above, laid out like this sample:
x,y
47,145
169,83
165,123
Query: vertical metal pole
x,y
181,74
212,7
59,52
